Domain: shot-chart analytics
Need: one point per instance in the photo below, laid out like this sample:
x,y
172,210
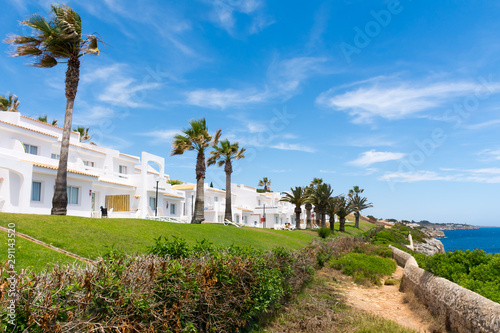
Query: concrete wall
x,y
463,310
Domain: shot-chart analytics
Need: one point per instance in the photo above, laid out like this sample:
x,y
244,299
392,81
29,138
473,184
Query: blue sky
x,y
399,98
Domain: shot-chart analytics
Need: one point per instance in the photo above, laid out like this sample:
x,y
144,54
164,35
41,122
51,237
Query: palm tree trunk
x,y
199,204
60,198
356,216
342,224
323,219
298,210
332,224
308,216
228,214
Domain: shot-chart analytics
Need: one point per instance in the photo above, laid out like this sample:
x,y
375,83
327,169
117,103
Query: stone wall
x,y
464,311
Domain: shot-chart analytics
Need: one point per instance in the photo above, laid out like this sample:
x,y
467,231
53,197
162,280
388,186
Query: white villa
x,y
125,185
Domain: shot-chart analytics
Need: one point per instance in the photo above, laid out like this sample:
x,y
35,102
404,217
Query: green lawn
x,y
92,238
31,255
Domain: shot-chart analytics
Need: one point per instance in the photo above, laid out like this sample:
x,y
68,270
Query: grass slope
x,y
92,238
31,255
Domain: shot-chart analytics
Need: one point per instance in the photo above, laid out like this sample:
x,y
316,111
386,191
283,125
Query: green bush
x,y
364,268
177,288
324,232
475,270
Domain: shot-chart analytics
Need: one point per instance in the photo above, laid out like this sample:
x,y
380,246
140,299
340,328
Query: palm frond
x,y
45,61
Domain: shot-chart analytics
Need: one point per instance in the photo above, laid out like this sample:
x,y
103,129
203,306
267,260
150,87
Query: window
x,y
36,191
55,156
122,169
30,149
258,203
219,218
237,218
216,199
90,163
276,219
72,195
152,203
172,209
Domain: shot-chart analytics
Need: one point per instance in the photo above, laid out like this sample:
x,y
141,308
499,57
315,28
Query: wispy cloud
x,y
391,98
161,136
284,78
411,177
213,98
485,175
327,171
286,75
293,146
371,157
489,154
281,170
224,14
116,86
482,125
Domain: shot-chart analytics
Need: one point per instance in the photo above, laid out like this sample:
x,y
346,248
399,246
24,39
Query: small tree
x,y
343,208
297,197
9,103
224,153
196,138
358,203
266,183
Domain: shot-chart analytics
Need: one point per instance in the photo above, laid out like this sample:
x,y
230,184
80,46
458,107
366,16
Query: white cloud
x,y
382,97
127,93
371,157
162,136
224,11
287,75
92,115
327,171
281,170
292,146
482,125
284,80
214,98
490,154
488,175
417,176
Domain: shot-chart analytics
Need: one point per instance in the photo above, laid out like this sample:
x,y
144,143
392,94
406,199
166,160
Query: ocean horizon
x,y
487,239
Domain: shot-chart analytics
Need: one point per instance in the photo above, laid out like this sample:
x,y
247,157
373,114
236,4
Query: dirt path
x,y
39,242
386,302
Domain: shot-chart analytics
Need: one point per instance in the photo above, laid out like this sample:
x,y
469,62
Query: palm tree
x,y
358,203
59,38
297,197
44,119
319,198
9,103
331,210
266,183
314,183
344,208
84,133
224,153
196,138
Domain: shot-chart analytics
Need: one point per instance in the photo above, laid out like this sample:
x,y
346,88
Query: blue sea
x,y
487,239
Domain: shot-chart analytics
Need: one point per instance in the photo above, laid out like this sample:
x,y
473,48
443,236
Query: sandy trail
x,y
384,301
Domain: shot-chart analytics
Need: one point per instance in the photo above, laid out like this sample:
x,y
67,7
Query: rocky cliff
x,y
429,246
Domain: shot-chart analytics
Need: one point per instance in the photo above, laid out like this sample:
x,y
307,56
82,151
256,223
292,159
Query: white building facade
x,y
127,186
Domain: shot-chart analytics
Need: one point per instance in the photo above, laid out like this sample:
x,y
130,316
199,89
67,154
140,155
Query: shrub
x,y
364,268
180,288
475,270
324,232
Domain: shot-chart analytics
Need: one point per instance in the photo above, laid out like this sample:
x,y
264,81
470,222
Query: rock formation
x,y
429,247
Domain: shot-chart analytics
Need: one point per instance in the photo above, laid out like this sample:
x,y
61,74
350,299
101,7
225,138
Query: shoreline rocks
x,y
430,247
